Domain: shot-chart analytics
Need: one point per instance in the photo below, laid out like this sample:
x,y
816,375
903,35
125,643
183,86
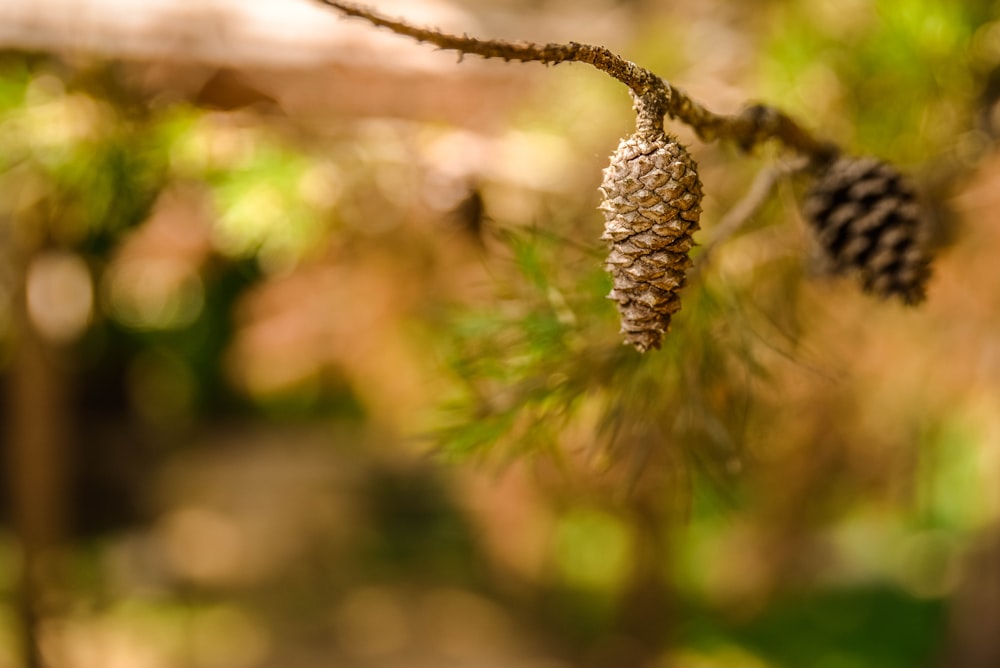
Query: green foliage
x,y
893,78
516,363
542,359
843,628
258,181
78,170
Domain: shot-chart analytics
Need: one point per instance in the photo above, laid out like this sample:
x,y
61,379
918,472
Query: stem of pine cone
x,y
753,126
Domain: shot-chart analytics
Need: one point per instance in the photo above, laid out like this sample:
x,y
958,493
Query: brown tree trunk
x,y
37,448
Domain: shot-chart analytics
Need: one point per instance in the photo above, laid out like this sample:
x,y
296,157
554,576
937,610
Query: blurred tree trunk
x,y
36,466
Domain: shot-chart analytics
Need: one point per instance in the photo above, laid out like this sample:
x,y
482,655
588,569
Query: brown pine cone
x,y
652,201
868,222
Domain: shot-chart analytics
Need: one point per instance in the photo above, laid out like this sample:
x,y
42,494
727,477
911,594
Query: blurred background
x,y
306,359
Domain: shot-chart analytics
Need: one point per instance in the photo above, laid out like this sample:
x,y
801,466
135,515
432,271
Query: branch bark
x,y
654,97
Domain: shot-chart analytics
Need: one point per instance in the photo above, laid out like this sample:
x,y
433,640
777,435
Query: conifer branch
x,y
654,97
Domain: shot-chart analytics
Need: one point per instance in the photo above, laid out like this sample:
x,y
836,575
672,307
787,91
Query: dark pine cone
x,y
868,222
652,201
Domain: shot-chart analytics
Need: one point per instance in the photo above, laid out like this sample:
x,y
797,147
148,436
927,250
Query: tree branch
x,y
654,97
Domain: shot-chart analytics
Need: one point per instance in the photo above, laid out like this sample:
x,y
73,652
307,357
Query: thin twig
x,y
741,213
654,97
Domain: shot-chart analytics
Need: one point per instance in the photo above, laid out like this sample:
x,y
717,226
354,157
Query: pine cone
x,y
652,201
868,222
